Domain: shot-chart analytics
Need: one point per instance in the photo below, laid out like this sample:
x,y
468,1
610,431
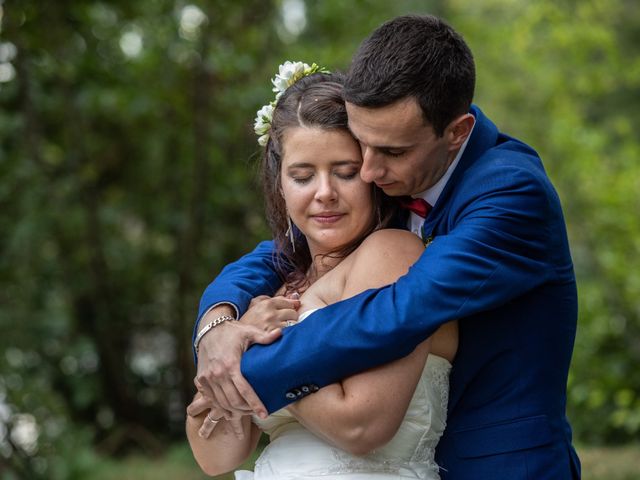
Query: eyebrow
x,y
337,163
388,147
381,147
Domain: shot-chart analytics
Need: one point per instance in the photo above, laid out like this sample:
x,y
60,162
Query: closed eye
x,y
347,175
302,180
392,153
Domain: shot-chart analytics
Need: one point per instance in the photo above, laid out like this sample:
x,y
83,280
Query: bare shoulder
x,y
391,243
381,259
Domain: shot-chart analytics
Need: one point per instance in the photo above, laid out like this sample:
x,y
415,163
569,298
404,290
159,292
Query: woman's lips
x,y
327,218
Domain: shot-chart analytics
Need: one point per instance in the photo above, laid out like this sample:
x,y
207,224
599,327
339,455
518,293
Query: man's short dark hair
x,y
414,56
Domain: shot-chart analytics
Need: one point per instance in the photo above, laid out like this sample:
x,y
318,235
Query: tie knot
x,y
419,206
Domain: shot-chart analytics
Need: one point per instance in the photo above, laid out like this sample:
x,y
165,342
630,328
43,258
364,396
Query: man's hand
x,y
219,367
221,349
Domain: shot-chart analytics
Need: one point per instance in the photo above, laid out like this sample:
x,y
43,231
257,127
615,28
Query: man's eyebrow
x,y
381,147
390,147
384,147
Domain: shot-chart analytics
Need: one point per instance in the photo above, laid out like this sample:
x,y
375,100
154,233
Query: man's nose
x,y
371,169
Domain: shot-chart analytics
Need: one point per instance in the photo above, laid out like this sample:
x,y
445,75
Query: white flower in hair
x,y
262,123
288,74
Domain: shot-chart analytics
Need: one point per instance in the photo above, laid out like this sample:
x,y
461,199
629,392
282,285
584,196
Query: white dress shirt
x,y
432,193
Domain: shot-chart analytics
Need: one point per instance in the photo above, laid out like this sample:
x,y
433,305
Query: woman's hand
x,y
270,313
210,437
201,404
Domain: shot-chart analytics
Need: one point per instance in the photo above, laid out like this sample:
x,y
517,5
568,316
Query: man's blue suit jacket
x,y
498,262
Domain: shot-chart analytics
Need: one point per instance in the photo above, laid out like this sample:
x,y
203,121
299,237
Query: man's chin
x,y
393,190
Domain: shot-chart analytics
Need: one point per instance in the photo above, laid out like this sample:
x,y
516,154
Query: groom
x,y
497,260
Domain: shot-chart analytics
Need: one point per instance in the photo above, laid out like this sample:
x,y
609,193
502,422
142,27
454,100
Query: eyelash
x,y
304,181
394,155
347,176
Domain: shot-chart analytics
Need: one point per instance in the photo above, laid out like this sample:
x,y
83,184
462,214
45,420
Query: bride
x,y
383,423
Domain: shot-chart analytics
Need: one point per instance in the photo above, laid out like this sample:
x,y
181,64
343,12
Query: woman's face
x,y
325,196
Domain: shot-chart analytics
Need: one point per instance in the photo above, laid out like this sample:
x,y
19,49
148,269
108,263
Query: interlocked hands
x,y
223,390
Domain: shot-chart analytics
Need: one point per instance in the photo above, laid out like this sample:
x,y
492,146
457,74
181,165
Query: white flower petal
x,y
262,141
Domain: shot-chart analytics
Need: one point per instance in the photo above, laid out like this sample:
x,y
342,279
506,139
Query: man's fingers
x,y
197,383
219,413
236,400
249,396
217,375
233,402
199,405
236,425
202,382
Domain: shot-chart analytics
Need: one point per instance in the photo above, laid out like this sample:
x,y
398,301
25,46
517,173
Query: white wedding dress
x,y
296,453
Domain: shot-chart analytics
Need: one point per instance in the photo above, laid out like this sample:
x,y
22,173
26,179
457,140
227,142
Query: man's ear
x,y
459,130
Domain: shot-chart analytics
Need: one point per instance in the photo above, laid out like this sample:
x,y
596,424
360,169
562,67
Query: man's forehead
x,y
393,125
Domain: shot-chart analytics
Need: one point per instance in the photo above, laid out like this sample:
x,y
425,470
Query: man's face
x,y
401,152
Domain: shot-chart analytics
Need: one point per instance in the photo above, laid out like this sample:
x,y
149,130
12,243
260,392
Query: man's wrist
x,y
215,311
210,326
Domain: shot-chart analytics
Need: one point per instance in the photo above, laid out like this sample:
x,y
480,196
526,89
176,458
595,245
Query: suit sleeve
x,y
497,248
239,282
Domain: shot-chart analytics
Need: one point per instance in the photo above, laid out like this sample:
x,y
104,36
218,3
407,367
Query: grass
x,y
598,463
610,463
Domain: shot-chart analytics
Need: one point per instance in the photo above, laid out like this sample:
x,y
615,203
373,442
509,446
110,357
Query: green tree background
x,y
127,180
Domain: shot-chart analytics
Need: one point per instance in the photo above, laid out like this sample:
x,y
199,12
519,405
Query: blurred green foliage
x,y
127,180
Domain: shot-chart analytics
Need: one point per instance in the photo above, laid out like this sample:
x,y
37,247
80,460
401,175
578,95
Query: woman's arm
x,y
222,451
364,411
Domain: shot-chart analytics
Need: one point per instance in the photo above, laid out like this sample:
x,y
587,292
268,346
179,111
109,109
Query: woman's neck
x,y
321,263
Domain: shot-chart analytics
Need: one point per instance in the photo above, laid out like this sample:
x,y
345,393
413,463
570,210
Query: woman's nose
x,y
326,190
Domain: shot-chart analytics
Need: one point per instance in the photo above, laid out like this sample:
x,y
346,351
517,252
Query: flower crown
x,y
288,74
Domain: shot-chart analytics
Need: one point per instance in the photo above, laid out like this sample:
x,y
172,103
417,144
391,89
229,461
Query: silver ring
x,y
215,422
288,323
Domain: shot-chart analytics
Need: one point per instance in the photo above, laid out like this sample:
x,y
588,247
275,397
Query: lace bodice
x,y
296,453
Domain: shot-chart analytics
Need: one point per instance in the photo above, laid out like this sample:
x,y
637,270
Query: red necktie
x,y
419,206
